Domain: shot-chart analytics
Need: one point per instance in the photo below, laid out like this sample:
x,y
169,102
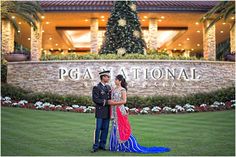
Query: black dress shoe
x,y
94,150
102,148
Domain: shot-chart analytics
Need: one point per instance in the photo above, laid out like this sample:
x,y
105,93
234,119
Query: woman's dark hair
x,y
123,81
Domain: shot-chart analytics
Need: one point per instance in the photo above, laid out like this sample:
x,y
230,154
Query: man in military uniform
x,y
101,94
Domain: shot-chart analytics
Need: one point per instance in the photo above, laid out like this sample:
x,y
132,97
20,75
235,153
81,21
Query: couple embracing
x,y
110,107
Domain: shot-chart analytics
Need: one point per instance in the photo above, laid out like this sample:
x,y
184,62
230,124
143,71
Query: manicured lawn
x,y
33,132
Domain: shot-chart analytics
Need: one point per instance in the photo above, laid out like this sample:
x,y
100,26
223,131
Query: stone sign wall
x,y
144,77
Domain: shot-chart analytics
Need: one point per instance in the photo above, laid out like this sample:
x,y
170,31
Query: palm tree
x,y
224,9
28,11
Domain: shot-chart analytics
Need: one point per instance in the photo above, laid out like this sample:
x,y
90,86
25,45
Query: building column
x,y
8,35
186,53
36,42
170,53
152,33
94,35
209,42
232,40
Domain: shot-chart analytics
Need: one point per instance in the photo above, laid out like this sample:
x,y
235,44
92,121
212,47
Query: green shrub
x,y
19,94
221,95
13,92
157,52
153,56
59,99
222,49
3,70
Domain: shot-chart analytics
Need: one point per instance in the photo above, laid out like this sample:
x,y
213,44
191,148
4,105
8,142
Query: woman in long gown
x,y
121,137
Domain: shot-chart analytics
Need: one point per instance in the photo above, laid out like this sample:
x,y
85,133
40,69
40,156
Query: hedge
x,y
71,56
221,95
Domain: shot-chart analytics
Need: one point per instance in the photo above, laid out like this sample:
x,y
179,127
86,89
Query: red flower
x,y
52,108
79,110
46,108
228,104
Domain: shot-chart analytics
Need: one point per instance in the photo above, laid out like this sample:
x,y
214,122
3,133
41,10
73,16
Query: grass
x,y
33,132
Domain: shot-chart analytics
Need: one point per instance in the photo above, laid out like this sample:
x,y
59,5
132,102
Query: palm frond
x,y
229,11
223,10
214,10
29,19
232,26
13,22
29,11
33,6
213,22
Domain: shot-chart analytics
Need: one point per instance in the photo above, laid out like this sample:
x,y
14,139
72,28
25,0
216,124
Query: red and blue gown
x,y
121,137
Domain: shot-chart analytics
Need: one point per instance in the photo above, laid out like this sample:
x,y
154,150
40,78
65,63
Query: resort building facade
x,y
79,27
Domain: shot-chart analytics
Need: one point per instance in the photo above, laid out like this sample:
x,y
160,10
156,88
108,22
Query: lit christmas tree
x,y
123,34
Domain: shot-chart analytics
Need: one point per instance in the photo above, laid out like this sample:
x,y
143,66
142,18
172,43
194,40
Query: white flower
x,y
146,108
83,107
122,22
46,104
121,51
203,105
233,105
233,101
136,34
75,106
58,106
15,104
6,98
216,103
144,111
91,107
179,108
39,107
214,106
174,110
133,7
38,103
187,106
88,110
69,108
22,102
166,108
7,102
132,109
190,110
222,103
156,109
51,105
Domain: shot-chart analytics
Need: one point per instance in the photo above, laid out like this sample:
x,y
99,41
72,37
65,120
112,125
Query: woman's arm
x,y
123,101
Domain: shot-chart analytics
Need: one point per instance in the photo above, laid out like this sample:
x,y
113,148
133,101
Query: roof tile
x,y
142,5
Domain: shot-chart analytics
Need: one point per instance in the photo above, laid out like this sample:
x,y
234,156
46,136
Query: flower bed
x,y
7,101
221,95
187,108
